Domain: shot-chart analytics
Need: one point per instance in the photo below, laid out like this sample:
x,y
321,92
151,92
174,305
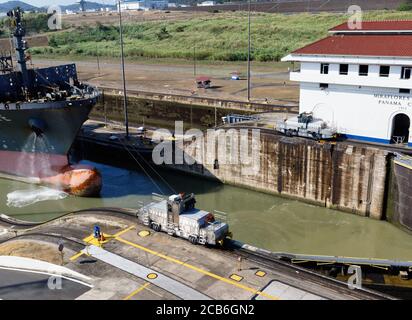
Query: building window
x,y
324,68
343,69
363,70
406,72
384,71
405,91
323,86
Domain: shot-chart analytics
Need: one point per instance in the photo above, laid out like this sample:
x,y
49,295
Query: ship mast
x,y
20,46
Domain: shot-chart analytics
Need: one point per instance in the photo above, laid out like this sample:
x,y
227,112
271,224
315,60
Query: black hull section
x,y
41,112
61,121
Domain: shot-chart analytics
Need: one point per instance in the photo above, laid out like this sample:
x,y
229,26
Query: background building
x,y
206,4
359,80
144,5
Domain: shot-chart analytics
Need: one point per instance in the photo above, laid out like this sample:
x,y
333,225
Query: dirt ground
x,y
35,41
110,18
31,249
269,81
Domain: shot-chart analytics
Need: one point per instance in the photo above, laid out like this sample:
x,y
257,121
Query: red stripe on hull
x,y
31,165
52,170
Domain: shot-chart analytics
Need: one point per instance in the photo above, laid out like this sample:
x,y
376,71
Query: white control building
x,y
143,5
360,80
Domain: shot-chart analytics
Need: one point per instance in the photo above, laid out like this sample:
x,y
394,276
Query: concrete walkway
x,y
32,265
178,289
287,292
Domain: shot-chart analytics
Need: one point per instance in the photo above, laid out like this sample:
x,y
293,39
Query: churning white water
x,y
24,198
35,157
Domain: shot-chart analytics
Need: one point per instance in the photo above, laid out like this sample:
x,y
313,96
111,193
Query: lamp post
x,y
194,60
126,117
194,46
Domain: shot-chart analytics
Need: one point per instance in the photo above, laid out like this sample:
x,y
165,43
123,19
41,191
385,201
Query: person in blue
x,y
97,232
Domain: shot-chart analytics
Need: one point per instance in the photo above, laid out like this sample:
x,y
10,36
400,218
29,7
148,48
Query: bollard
x,y
239,267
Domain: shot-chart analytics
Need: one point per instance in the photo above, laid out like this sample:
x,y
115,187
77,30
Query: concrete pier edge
x,y
38,266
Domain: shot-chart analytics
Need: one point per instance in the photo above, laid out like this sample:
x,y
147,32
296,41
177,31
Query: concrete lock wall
x,y
162,110
340,176
400,196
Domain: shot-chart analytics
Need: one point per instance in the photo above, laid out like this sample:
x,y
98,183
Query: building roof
x,y
202,78
361,45
376,26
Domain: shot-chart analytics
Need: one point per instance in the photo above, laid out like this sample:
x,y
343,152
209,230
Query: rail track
x,y
388,147
232,249
304,274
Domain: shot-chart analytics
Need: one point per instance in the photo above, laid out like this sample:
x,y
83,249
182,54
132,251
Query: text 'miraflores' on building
x,y
359,80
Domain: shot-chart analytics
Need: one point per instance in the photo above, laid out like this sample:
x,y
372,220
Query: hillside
x,y
295,6
7,6
88,6
221,36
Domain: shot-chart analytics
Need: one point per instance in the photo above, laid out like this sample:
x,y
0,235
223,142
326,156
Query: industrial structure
x,y
359,80
82,4
206,4
144,5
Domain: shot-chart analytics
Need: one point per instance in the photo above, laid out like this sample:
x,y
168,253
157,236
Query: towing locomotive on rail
x,y
178,217
304,125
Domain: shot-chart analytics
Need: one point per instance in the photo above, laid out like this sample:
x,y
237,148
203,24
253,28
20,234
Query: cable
x,y
126,148
154,170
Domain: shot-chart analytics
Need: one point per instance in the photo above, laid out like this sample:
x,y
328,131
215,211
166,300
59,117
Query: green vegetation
x,y
34,23
218,37
405,6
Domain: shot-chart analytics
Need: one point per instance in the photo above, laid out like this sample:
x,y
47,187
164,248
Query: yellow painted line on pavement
x,y
91,240
210,274
123,231
137,291
76,256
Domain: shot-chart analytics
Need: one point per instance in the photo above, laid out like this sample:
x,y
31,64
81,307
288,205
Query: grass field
x,y
219,37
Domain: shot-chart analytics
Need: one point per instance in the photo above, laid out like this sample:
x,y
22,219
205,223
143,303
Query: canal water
x,y
267,221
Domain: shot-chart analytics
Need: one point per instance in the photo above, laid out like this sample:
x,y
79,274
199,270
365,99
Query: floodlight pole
x,y
126,117
248,54
194,60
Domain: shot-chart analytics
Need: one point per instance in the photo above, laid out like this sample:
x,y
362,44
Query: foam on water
x,y
36,156
24,198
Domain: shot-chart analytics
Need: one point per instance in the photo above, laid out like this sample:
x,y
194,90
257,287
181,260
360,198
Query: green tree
x,y
405,6
163,33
